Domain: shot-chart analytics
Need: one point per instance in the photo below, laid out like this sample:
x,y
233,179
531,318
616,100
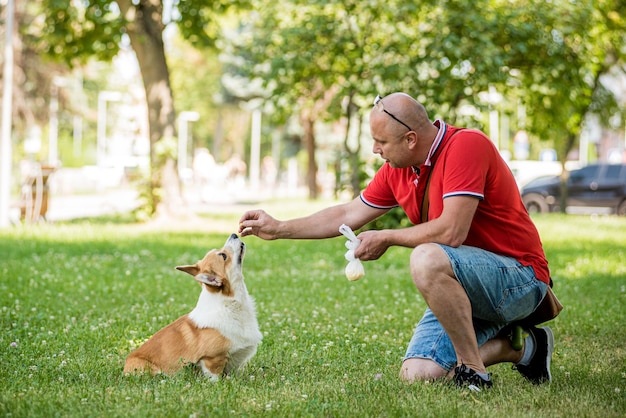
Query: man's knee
x,y
414,369
427,261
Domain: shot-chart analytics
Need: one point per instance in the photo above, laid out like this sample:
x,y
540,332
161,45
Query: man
x,y
477,257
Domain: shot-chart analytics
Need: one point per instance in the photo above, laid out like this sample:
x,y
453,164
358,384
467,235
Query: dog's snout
x,y
234,236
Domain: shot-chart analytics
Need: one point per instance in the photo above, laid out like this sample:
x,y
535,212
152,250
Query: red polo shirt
x,y
466,164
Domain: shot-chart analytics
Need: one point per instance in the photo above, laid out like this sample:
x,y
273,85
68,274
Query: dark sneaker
x,y
538,371
466,377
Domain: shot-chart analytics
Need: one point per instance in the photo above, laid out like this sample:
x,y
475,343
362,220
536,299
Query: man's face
x,y
392,151
391,145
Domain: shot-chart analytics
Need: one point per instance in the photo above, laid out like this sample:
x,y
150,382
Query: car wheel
x,y
621,208
535,203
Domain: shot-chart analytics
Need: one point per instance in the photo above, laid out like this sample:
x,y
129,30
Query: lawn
x,y
77,297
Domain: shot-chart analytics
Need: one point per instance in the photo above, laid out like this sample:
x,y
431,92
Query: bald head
x,y
402,131
408,110
397,112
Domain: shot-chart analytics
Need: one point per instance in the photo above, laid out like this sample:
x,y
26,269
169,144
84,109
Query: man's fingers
x,y
250,215
245,227
245,220
245,217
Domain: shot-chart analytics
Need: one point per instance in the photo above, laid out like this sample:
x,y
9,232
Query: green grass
x,y
75,298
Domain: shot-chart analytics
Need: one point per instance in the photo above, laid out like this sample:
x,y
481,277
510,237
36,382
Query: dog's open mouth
x,y
209,280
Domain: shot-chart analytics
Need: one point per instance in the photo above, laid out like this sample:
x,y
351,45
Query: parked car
x,y
527,170
596,185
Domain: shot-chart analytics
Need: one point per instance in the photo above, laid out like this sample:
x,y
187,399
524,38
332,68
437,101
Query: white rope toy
x,y
354,269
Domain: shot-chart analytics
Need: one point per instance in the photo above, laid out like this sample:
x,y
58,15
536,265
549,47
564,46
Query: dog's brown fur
x,y
220,335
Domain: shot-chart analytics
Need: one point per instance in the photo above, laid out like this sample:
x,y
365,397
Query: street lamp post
x,y
103,98
183,137
53,135
5,137
255,150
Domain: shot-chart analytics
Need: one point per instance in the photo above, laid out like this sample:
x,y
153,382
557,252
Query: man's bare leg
x,y
497,350
434,278
421,369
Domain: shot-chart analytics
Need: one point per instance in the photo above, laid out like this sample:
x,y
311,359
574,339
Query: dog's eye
x,y
224,255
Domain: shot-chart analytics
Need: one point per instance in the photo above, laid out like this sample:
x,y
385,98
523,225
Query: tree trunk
x,y
309,113
145,30
353,154
309,138
563,193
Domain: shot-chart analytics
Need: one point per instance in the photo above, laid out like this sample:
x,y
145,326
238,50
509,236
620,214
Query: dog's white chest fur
x,y
220,334
234,317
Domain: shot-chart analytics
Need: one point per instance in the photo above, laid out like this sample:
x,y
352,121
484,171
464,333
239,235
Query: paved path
x,y
108,202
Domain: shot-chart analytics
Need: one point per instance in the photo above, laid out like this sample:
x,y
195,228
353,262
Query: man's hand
x,y
373,245
259,223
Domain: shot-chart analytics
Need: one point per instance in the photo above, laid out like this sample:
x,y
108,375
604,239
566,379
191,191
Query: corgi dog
x,y
220,334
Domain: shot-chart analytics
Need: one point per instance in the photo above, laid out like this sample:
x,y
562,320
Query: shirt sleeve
x,y
467,165
378,194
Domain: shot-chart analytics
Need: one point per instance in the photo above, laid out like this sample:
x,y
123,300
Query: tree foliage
x,y
74,34
326,60
548,56
560,83
75,31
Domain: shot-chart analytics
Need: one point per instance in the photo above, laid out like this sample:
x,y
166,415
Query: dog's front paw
x,y
212,377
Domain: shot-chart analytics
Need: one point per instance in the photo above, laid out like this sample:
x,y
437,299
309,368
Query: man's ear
x,y
411,139
192,269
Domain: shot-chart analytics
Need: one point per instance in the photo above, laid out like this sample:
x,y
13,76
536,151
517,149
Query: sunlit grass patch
x,y
76,298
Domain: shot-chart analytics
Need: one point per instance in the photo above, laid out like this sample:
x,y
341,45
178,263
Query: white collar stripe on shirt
x,y
440,135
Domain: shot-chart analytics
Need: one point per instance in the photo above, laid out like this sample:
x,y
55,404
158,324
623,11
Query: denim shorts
x,y
500,289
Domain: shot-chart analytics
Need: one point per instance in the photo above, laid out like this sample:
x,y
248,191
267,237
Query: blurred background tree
x,y
320,63
76,31
325,60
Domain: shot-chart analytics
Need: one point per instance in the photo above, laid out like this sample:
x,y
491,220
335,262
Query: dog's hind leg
x,y
135,364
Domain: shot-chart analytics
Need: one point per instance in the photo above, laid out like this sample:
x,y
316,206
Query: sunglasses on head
x,y
378,102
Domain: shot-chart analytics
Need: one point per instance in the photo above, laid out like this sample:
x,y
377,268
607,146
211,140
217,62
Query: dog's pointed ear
x,y
191,269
